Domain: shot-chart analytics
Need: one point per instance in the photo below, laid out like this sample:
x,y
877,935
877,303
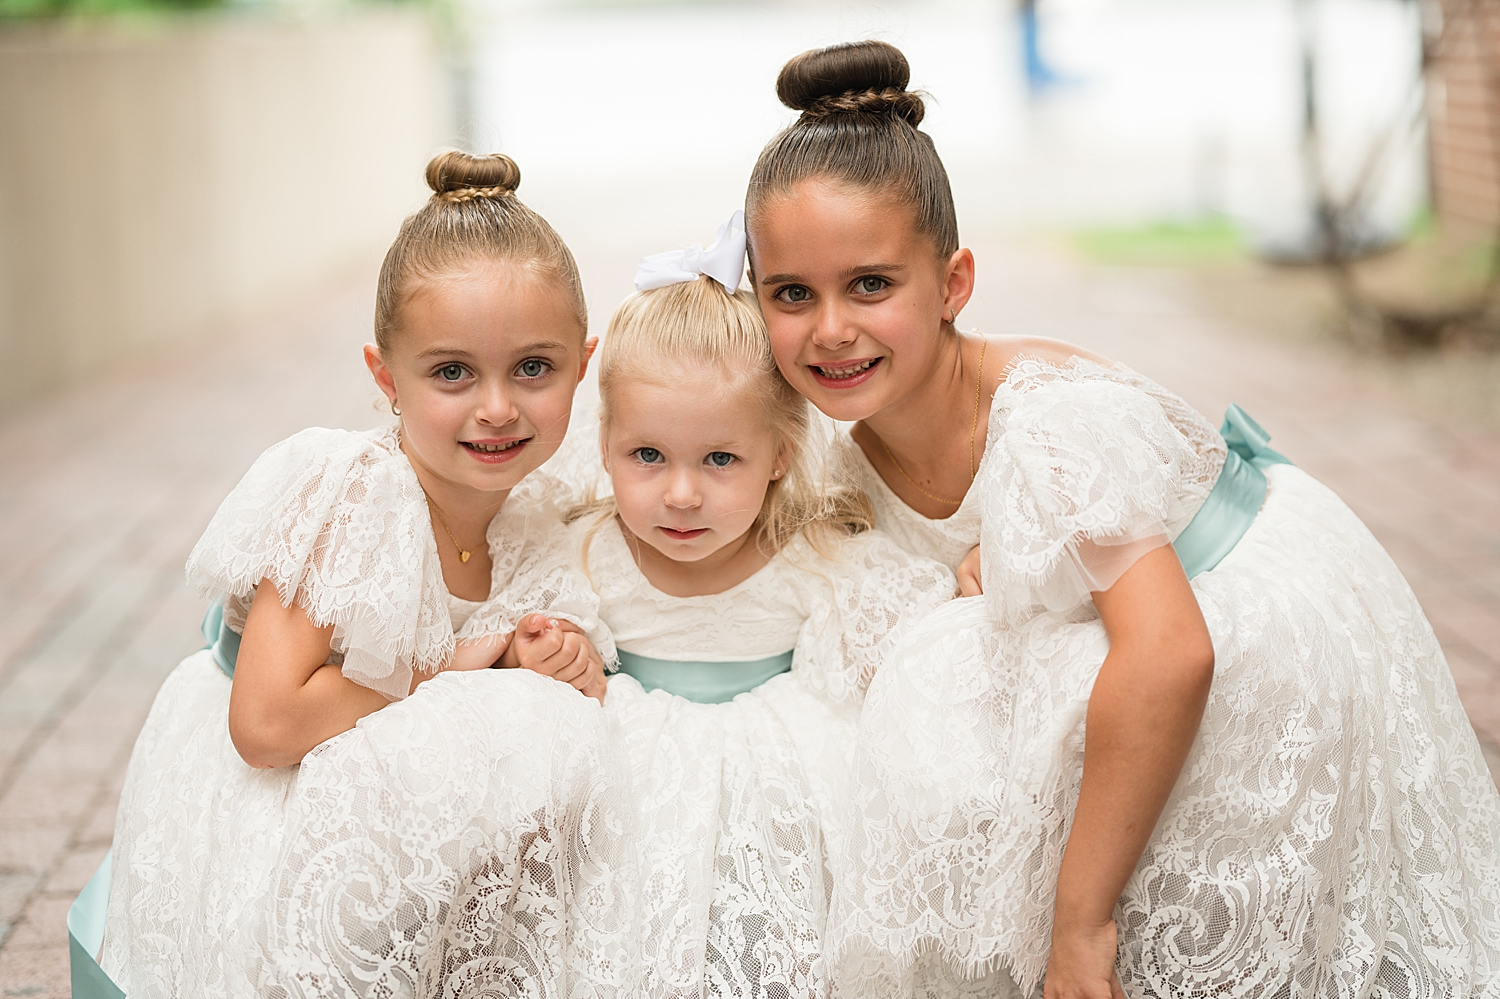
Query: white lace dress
x,y
446,845
736,803
1334,832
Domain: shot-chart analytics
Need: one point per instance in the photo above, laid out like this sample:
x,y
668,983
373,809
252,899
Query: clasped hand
x,y
550,646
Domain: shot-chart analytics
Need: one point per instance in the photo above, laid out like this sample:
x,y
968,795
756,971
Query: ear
x,y
382,374
589,346
958,282
784,455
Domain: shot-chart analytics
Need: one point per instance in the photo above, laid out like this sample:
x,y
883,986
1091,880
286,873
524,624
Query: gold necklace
x,y
463,556
973,432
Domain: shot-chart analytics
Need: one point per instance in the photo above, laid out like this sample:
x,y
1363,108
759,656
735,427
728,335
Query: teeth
x,y
845,371
493,448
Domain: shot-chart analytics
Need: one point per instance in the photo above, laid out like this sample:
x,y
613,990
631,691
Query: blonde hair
x,y
473,214
699,323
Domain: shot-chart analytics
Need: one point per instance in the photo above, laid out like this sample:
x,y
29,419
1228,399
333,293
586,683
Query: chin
x,y
846,406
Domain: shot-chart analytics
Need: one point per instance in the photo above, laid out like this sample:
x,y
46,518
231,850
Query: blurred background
x,y
1290,204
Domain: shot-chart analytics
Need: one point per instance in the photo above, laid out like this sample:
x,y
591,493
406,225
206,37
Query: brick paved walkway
x,y
105,491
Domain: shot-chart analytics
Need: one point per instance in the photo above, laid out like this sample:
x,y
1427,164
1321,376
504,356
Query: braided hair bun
x,y
864,78
458,176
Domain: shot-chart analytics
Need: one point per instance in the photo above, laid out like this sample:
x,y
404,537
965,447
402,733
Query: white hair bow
x,y
723,260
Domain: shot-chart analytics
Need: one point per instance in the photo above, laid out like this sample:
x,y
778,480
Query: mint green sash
x,y
86,936
1236,498
706,683
224,642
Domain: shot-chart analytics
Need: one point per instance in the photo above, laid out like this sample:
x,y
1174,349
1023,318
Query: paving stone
x,y
75,870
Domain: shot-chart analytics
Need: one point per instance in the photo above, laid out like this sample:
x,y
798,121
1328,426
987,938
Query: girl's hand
x,y
969,584
1081,964
558,649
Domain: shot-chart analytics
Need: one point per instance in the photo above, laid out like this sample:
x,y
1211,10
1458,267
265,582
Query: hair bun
x,y
460,176
868,77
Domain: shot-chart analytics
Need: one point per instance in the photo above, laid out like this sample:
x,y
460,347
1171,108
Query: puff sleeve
x,y
1083,477
337,522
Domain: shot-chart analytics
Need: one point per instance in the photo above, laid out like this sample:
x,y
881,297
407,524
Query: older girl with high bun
x,y
337,798
1191,734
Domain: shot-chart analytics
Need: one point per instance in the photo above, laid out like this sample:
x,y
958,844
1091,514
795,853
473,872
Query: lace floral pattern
x,y
1335,830
739,806
462,841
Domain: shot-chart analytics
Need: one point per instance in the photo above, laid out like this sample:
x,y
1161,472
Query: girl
x,y
437,829
750,609
1276,793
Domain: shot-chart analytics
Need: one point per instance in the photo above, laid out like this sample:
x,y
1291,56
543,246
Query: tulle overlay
x,y
739,806
1335,831
462,841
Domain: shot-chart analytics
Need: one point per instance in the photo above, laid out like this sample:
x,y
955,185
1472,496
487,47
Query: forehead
x,y
487,307
818,219
686,407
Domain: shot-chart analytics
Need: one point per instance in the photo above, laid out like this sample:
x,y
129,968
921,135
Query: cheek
x,y
787,341
548,410
436,414
632,492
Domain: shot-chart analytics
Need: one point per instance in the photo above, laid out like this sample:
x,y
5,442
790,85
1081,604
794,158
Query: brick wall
x,y
1463,86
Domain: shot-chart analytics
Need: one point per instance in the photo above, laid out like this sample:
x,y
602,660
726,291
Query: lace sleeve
x,y
1085,477
534,569
858,605
337,522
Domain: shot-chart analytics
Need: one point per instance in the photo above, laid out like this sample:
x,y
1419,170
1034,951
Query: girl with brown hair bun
x,y
338,798
1276,791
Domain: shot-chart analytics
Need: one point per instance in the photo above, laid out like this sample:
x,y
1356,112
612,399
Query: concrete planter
x,y
157,182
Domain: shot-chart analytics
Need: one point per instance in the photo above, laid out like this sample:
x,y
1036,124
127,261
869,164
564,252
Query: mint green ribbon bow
x,y
1236,498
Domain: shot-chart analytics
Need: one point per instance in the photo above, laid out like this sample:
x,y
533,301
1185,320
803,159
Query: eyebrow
x,y
845,276
460,352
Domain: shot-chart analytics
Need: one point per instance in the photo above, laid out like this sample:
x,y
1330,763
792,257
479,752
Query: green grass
x,y
1163,244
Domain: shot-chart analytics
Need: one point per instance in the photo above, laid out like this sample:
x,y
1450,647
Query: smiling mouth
x,y
495,452
687,535
842,372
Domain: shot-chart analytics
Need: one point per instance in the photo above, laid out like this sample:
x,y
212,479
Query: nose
x,y
496,409
833,331
682,491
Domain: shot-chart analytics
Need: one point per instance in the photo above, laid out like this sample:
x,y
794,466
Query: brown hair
x,y
473,214
698,323
858,126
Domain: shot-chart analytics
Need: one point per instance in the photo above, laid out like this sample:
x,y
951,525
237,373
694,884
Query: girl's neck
x,y
724,569
460,516
920,445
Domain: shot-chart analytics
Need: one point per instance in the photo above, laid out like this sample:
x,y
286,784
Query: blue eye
x,y
451,372
871,285
647,455
533,367
794,294
720,459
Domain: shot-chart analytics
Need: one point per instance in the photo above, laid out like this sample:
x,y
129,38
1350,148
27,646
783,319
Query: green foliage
x,y
28,9
1163,244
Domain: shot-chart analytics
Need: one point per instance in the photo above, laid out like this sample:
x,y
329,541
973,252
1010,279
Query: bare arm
x,y
1143,715
285,699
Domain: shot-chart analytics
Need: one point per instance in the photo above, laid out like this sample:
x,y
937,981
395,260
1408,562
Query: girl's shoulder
x,y
1057,370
